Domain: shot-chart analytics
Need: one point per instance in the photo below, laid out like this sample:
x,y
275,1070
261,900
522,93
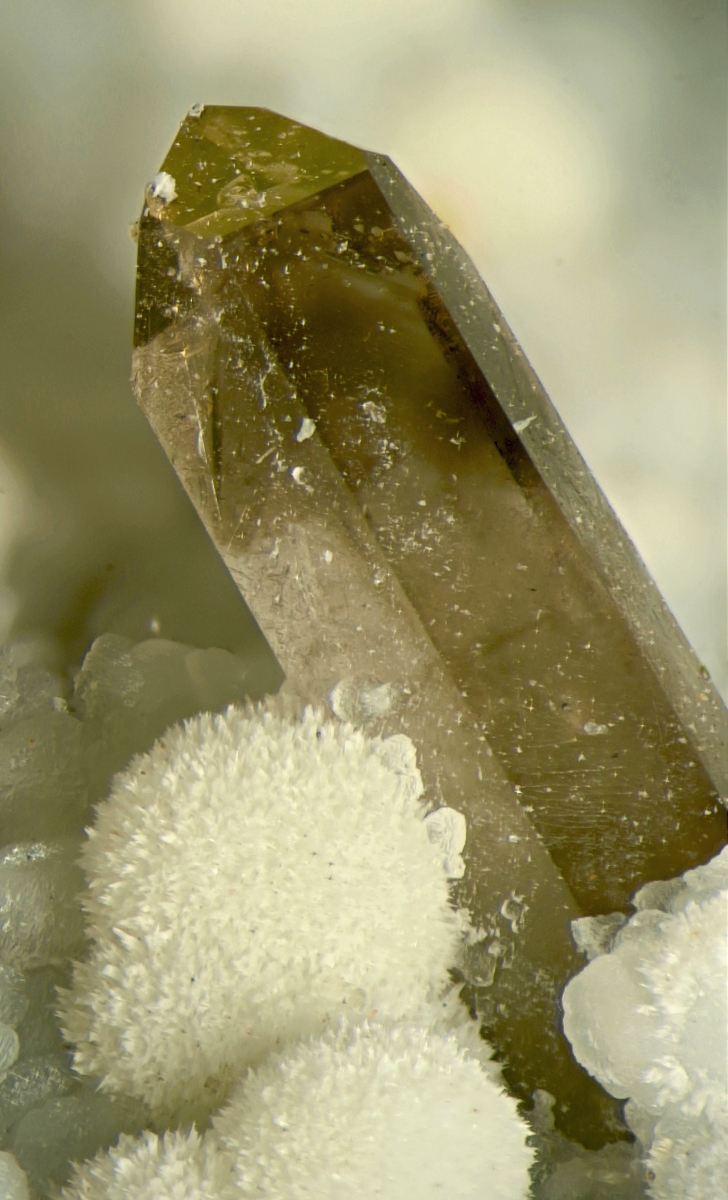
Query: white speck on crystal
x,y
447,829
361,700
307,430
514,910
594,729
327,556
524,423
374,411
162,188
299,476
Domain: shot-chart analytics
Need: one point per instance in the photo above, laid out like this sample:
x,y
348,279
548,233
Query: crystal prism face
x,y
574,714
340,398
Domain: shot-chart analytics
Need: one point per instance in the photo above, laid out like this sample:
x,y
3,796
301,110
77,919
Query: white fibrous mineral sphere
x,y
393,1112
649,1019
250,880
176,1166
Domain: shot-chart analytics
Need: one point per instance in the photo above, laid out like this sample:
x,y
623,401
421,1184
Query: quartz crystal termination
x,y
355,460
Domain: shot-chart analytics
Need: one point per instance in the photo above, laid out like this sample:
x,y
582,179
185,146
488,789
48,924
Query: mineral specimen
x,y
421,543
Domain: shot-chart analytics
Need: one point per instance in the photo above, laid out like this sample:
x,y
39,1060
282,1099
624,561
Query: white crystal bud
x,y
446,828
162,188
307,430
362,700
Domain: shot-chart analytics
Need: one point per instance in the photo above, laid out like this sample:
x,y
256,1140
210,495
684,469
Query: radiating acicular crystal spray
x,y
423,547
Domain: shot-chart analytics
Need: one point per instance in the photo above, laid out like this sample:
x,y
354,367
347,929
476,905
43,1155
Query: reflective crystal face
x,y
329,415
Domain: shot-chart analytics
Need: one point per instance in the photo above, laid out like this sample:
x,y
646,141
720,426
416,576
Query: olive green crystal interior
x,y
508,600
348,429
231,168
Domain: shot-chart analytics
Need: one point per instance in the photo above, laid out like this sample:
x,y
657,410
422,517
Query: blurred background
x,y
576,148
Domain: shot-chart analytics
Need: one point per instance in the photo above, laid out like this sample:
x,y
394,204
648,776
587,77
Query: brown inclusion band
x,y
438,533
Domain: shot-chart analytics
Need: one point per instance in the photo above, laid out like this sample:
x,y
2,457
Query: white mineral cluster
x,y
175,1166
250,880
57,749
267,918
376,1110
648,1017
392,1111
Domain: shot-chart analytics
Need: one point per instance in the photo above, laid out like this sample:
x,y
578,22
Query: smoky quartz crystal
x,y
424,548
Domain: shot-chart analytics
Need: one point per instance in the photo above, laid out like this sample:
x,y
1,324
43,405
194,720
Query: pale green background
x,y
577,148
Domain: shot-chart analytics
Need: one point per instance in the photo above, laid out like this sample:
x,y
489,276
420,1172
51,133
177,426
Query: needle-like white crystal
x,y
250,880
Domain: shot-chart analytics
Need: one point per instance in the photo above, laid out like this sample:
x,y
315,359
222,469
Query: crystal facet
x,y
423,547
